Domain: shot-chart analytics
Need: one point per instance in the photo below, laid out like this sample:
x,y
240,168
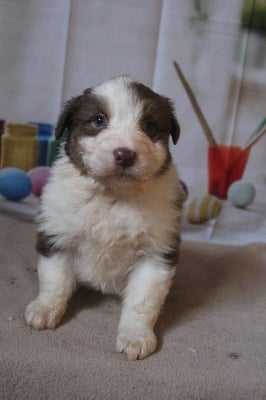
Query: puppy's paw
x,y
41,316
136,344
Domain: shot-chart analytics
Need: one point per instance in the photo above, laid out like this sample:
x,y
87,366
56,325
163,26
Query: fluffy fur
x,y
110,214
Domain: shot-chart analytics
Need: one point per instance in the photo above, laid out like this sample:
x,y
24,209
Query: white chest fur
x,y
106,233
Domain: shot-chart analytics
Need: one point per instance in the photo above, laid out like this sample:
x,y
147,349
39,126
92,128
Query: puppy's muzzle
x,y
124,157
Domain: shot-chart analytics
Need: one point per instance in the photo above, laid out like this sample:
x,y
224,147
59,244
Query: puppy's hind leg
x,y
147,289
57,283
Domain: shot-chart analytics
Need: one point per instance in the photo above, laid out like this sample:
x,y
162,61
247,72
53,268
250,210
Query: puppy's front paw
x,y
136,344
41,316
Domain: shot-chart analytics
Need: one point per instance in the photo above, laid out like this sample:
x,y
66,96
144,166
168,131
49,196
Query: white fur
x,y
113,235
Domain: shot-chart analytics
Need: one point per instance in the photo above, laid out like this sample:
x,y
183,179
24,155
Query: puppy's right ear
x,y
66,116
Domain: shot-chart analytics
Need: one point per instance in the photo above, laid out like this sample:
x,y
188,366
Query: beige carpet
x,y
212,333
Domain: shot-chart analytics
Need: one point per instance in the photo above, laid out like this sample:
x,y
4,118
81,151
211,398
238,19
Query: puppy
x,y
110,213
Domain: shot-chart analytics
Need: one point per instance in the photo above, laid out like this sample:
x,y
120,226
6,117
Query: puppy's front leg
x,y
57,282
147,289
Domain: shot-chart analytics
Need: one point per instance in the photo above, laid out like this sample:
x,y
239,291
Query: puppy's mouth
x,y
122,166
122,176
125,167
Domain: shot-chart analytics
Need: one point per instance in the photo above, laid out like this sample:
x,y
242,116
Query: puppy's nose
x,y
124,157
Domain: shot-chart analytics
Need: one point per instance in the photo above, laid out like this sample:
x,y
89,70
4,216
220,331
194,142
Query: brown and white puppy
x,y
110,214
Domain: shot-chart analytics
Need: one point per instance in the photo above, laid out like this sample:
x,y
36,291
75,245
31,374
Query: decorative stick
x,y
206,129
257,131
255,138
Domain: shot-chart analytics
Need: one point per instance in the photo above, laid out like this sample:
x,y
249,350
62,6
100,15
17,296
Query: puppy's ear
x,y
175,129
174,125
65,117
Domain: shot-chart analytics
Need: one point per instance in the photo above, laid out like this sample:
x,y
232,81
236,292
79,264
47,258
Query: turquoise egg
x,y
14,184
241,194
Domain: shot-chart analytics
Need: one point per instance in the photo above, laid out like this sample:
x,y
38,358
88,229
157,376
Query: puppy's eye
x,y
99,121
148,126
151,129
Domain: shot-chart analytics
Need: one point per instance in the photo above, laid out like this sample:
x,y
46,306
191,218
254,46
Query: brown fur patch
x,y
77,117
159,120
45,244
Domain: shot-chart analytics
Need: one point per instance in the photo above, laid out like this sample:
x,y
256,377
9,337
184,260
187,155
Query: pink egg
x,y
39,177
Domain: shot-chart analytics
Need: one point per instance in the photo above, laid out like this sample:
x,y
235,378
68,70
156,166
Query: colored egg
x,y
241,194
14,184
39,177
204,208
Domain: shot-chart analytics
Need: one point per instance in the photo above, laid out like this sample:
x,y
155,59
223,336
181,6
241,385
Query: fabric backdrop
x,y
53,49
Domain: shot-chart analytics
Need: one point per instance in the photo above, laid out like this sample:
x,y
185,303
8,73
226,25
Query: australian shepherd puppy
x,y
110,213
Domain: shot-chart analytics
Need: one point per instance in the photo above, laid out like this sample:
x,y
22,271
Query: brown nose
x,y
124,157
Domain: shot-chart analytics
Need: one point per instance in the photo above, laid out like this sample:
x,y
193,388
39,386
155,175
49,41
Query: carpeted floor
x,y
212,333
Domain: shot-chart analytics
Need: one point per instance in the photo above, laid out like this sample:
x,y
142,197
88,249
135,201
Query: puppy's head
x,y
120,130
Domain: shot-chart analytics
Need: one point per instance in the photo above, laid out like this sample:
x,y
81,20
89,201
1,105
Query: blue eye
x,y
99,121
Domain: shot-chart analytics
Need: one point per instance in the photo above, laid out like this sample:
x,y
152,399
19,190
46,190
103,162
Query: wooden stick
x,y
256,138
206,129
254,134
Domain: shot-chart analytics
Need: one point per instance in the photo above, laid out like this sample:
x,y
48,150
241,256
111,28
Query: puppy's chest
x,y
112,237
112,240
107,222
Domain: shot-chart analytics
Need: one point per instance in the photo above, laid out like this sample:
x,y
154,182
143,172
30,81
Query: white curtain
x,y
53,49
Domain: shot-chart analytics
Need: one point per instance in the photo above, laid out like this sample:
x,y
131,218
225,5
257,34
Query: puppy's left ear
x,y
174,125
175,129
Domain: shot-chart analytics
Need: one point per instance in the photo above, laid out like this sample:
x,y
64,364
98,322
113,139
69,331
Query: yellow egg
x,y
204,208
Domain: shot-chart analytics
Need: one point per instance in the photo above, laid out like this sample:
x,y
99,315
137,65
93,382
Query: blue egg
x,y
241,193
14,184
